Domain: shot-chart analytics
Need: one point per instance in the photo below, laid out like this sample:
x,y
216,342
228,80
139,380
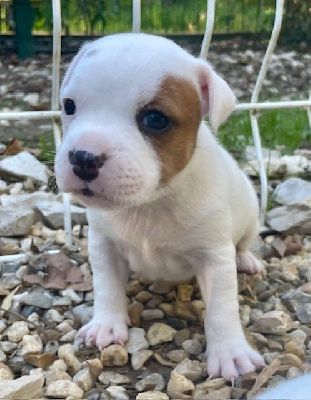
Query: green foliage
x,y
285,129
47,148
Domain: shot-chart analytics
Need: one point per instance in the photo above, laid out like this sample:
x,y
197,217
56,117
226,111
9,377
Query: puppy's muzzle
x,y
86,165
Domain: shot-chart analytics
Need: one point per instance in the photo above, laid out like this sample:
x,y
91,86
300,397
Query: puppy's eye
x,y
69,106
153,122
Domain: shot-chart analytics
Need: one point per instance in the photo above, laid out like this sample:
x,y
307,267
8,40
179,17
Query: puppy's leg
x,y
245,260
228,352
110,318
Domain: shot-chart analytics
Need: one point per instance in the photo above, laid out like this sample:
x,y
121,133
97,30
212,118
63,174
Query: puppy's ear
x,y
217,98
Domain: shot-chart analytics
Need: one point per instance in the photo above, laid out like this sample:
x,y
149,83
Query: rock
x,y
37,298
292,219
160,333
24,165
15,221
191,369
40,360
52,213
84,312
275,322
179,387
31,344
28,200
66,353
84,379
2,356
32,99
181,336
134,310
149,315
5,373
300,303
17,330
221,394
160,287
63,389
193,346
24,388
112,378
118,392
139,358
56,375
152,395
9,246
153,381
212,384
293,191
250,153
114,355
177,355
184,292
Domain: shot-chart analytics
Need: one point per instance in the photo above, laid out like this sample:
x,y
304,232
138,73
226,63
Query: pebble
x,y
178,385
181,336
31,344
274,322
5,373
56,375
53,315
135,310
150,382
112,378
63,389
84,379
2,356
114,355
17,330
191,369
149,315
184,292
300,303
152,395
27,388
160,287
177,355
193,346
160,333
66,353
139,358
118,392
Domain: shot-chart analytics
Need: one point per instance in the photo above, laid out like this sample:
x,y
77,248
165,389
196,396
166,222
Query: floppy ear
x,y
218,100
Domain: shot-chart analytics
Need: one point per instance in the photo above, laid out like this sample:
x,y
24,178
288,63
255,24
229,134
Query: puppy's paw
x,y
248,263
232,359
101,331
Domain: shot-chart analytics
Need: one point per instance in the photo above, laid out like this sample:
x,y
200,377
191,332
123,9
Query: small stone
x,y
7,347
191,369
56,375
300,303
84,312
114,355
113,378
181,336
63,389
27,387
118,392
31,344
293,372
179,387
40,360
160,333
69,336
15,221
149,315
177,355
5,373
17,330
66,353
292,348
72,294
248,380
290,359
2,356
221,394
133,288
275,322
52,213
84,379
212,384
152,395
136,340
65,326
184,292
193,346
59,364
144,296
36,298
160,287
135,310
139,358
153,381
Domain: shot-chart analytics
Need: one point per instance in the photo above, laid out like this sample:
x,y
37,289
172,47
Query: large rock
x,y
15,221
24,165
52,213
24,388
293,191
274,322
292,219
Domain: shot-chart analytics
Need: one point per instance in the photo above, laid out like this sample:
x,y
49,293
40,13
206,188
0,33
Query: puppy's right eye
x,y
69,106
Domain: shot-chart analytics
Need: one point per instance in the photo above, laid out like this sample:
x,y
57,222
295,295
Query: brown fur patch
x,y
179,100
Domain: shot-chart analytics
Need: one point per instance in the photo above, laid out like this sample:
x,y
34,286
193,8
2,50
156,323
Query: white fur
x,y
200,223
295,389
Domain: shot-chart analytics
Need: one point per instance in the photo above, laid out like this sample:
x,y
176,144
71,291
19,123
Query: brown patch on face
x,y
179,100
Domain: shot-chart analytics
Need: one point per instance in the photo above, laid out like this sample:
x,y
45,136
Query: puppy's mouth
x,y
87,192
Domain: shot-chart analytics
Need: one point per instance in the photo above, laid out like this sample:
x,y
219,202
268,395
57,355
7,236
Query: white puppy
x,y
163,197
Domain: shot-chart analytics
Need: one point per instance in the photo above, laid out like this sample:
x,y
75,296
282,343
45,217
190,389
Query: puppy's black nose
x,y
86,165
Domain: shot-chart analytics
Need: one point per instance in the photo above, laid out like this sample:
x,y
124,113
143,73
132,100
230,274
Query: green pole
x,y
23,15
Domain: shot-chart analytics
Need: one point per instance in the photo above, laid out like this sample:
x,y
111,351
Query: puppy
x,y
163,197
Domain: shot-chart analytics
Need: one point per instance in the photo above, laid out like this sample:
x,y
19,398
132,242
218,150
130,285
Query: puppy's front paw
x,y
103,330
232,359
248,263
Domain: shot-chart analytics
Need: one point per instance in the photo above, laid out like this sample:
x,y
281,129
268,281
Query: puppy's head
x,y
132,105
